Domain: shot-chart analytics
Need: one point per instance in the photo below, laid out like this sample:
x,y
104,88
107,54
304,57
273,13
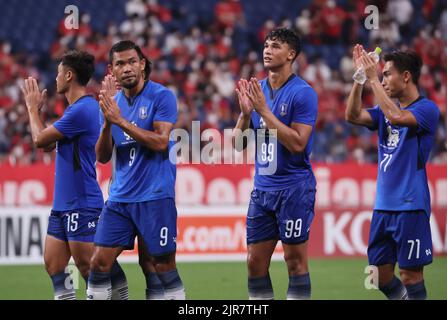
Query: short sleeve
x,y
72,122
166,107
374,112
305,107
427,116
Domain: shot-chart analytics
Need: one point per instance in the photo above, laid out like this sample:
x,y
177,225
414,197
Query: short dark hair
x,y
82,63
288,36
406,61
130,45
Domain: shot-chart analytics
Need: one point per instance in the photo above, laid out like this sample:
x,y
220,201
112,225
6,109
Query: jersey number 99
x,y
267,152
293,228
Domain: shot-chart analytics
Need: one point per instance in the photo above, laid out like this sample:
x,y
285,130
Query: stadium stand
x,y
201,48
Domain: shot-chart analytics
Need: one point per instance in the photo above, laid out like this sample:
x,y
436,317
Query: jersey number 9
x,y
132,156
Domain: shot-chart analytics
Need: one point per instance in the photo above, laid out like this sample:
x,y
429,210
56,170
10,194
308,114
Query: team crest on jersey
x,y
393,137
142,113
283,109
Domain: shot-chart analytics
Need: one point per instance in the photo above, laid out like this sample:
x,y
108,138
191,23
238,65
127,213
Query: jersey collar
x,y
131,100
417,100
274,91
82,97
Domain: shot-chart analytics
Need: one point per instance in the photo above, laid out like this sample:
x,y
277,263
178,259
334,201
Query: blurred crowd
x,y
202,61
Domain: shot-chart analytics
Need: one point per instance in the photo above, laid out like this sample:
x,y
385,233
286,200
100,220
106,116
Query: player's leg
x,y
413,236
56,256
157,223
413,279
259,256
118,280
154,287
80,229
295,218
99,285
382,253
115,232
81,246
82,253
296,259
262,237
166,268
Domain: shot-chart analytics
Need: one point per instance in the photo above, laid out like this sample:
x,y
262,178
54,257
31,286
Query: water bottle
x,y
359,75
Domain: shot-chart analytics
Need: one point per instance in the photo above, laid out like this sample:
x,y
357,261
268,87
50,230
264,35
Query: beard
x,y
129,84
61,90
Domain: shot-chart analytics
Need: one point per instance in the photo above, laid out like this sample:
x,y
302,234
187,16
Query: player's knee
x,y
84,268
295,264
146,265
53,266
408,277
257,267
100,263
164,262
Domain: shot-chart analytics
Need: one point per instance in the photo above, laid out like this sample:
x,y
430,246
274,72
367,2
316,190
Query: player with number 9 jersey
x,y
135,136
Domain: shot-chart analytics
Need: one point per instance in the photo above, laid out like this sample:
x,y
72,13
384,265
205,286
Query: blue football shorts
x,y
155,221
74,225
403,237
285,214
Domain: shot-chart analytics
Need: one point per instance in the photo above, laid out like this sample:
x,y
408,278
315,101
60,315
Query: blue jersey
x,y
296,101
75,184
140,174
403,152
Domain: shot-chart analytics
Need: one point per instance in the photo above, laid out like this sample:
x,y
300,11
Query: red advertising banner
x,y
212,202
338,185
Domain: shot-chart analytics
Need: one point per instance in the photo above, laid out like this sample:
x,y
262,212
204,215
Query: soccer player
x,y
154,287
135,135
77,199
282,203
400,226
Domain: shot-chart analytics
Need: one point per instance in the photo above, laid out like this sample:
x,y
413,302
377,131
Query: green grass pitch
x,y
331,279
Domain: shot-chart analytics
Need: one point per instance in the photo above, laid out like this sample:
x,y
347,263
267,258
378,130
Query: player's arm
x,y
156,140
393,113
104,145
42,137
243,122
355,113
295,137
